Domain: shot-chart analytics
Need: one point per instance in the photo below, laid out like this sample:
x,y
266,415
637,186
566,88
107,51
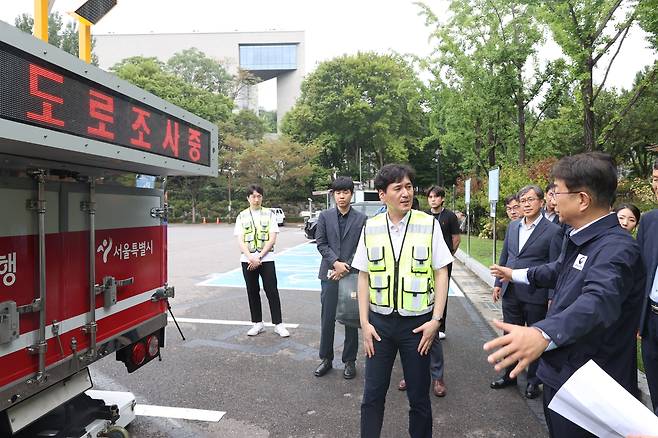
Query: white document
x,y
596,402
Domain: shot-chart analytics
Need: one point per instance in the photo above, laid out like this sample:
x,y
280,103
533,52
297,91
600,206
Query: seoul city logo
x,y
105,248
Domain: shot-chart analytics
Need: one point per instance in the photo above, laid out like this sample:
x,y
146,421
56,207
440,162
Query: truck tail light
x,y
138,353
152,346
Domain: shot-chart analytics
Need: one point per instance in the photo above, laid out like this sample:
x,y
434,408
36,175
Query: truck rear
x,y
83,226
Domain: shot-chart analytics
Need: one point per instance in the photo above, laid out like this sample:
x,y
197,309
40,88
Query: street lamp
x,y
310,206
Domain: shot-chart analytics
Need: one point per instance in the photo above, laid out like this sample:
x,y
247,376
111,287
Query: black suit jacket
x,y
331,244
599,283
543,246
647,238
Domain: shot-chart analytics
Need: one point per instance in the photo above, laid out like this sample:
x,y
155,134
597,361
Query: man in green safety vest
x,y
256,230
403,289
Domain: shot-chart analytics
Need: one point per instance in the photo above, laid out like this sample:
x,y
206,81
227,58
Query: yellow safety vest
x,y
405,285
255,235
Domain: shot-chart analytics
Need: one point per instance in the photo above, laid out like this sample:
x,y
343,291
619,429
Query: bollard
x,y
217,220
204,219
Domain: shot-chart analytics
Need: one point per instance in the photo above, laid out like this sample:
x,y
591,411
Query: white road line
x,y
182,413
456,291
226,322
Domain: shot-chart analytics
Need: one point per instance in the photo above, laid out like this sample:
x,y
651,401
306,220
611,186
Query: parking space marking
x,y
296,269
227,322
180,413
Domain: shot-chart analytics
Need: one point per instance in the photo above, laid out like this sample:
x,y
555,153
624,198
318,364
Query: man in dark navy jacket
x,y
647,237
530,241
599,284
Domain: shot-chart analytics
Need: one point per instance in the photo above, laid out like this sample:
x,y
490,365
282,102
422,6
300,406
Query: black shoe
x,y
323,368
502,382
532,390
350,370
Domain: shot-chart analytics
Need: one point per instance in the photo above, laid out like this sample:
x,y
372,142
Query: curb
x,y
482,273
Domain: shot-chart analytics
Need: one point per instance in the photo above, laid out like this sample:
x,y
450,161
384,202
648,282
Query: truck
x,y
84,160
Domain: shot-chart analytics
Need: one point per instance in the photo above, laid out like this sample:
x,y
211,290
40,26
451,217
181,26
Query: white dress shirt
x,y
525,231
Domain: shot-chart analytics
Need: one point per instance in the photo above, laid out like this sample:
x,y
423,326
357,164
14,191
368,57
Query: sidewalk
x,y
475,281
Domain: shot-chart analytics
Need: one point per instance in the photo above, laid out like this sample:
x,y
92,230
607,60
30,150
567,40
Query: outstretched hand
x,y
521,346
502,272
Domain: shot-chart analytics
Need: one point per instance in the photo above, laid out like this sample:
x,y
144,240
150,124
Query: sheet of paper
x,y
596,402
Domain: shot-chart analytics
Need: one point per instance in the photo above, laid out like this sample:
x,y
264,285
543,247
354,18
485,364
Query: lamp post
x,y
310,206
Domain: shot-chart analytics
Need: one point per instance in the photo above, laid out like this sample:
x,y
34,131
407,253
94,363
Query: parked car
x,y
369,208
279,215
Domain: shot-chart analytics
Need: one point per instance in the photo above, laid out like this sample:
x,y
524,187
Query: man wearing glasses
x,y
530,241
512,207
647,237
598,280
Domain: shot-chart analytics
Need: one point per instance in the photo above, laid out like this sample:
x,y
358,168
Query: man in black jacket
x,y
529,241
337,234
598,281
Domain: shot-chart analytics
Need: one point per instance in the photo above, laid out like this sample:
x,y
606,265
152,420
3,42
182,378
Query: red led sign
x,y
37,93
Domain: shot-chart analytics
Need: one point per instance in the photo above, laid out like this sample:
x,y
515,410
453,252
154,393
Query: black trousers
x,y
519,312
329,300
396,334
267,272
442,327
650,356
558,426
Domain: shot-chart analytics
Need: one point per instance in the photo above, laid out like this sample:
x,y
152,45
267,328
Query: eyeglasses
x,y
512,208
527,200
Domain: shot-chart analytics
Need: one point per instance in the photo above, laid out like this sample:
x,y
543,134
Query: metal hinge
x,y
160,212
109,289
34,306
36,205
163,293
88,207
38,347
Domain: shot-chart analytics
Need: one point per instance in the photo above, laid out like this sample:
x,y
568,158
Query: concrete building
x,y
267,55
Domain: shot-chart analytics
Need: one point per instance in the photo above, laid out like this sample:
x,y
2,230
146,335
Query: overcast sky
x,y
332,28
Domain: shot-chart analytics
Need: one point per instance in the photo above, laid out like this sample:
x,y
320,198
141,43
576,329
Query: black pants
x,y
519,312
329,300
267,272
558,426
650,356
442,327
396,334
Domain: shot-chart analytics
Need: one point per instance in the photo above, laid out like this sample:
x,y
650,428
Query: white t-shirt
x,y
274,228
440,254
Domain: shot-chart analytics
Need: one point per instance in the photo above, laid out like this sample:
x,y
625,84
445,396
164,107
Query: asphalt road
x,y
266,384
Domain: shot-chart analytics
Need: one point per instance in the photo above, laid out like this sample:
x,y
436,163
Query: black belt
x,y
653,306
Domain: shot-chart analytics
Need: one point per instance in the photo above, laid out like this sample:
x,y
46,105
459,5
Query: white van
x,y
279,215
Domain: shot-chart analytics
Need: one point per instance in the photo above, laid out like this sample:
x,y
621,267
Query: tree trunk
x,y
491,141
587,90
520,109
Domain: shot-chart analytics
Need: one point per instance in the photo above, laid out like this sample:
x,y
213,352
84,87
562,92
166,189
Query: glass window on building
x,y
268,57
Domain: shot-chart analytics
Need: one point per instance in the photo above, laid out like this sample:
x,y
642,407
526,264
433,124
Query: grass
x,y
481,249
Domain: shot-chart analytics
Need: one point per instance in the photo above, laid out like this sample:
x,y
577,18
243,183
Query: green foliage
x,y
244,124
197,69
366,101
269,120
151,75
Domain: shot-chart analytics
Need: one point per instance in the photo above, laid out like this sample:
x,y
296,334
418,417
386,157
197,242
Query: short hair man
x,y
529,241
256,230
549,206
403,288
512,207
337,234
598,291
647,238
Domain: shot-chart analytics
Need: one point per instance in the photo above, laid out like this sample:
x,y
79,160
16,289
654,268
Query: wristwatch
x,y
437,318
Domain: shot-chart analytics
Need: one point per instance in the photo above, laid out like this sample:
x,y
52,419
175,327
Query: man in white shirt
x,y
256,230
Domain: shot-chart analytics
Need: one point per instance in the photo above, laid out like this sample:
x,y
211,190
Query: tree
x,y
244,124
150,74
64,36
366,102
197,69
587,30
269,119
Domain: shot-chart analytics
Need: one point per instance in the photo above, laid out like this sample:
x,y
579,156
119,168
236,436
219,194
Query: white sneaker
x,y
256,329
442,335
281,330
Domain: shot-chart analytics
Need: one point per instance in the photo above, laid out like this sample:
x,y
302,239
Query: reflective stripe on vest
x,y
253,234
407,286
